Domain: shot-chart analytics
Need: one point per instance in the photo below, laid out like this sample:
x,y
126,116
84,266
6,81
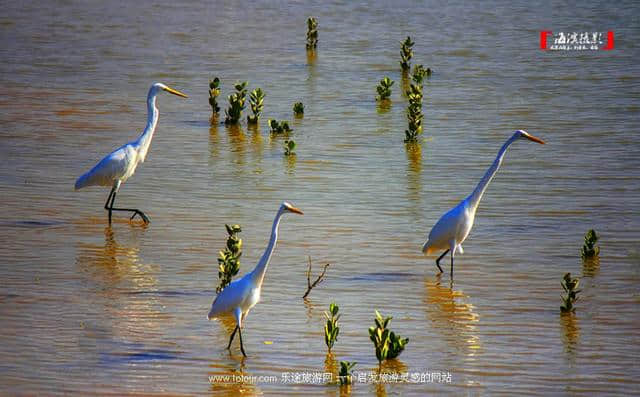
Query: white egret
x,y
119,165
453,227
241,295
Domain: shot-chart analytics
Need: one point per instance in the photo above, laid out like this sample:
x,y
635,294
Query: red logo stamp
x,y
576,41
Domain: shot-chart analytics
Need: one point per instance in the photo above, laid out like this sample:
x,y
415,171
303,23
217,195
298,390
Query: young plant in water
x,y
414,113
298,109
384,89
236,104
256,101
289,147
570,286
419,73
406,53
387,344
345,375
229,258
214,92
312,33
279,127
331,328
589,249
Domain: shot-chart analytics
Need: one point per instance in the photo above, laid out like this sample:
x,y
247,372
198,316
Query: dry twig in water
x,y
310,285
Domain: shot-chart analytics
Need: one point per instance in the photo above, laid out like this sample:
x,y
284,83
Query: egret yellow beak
x,y
296,210
535,139
175,92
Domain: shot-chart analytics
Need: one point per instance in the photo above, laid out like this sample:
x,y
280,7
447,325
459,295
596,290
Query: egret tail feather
x,y
83,181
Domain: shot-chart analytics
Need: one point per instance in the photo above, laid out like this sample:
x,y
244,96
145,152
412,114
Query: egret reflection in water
x,y
108,263
229,378
452,316
125,287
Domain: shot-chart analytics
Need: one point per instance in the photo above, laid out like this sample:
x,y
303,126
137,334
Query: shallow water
x,y
90,308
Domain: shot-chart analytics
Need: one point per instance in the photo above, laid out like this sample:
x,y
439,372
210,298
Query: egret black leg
x,y
108,206
241,346
451,266
231,338
134,210
439,259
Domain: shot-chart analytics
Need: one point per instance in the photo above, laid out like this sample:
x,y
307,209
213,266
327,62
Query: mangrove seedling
x,y
214,92
289,147
312,33
229,258
298,109
384,89
331,328
236,104
589,249
414,113
406,53
310,285
570,286
279,127
419,73
387,344
256,100
345,375
414,109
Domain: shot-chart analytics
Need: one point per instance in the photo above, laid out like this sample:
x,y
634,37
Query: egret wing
x,y
112,167
231,297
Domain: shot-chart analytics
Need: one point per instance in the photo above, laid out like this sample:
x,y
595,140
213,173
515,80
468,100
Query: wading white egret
x,y
241,295
119,165
453,227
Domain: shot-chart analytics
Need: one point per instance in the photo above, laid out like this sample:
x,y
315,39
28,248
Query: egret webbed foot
x,y
144,218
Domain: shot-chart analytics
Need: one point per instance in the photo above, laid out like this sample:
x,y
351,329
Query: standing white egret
x,y
241,295
453,227
119,165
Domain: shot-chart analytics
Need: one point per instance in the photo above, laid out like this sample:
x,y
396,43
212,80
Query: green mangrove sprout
x,y
229,258
298,109
256,101
214,92
387,344
589,248
570,286
312,33
419,73
414,109
331,328
384,89
406,53
289,147
345,375
279,127
236,103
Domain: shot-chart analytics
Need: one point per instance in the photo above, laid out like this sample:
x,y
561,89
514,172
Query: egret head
x,y
525,135
286,206
157,87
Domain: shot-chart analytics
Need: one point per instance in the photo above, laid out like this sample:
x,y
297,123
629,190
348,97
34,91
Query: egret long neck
x,y
261,267
475,197
144,140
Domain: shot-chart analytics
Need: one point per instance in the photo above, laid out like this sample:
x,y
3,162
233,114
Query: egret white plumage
x,y
119,165
453,227
241,295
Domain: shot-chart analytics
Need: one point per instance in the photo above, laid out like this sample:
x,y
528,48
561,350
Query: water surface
x,y
88,308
